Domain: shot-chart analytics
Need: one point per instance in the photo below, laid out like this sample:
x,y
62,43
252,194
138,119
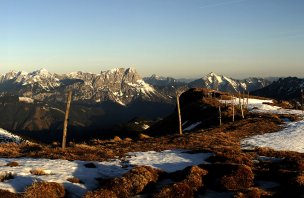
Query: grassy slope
x,y
224,142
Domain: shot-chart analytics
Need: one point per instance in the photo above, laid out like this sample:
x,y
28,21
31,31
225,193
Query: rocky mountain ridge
x,y
118,85
212,81
223,83
283,89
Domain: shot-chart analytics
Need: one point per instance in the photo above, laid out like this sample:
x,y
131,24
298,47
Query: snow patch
x,y
61,170
168,160
289,139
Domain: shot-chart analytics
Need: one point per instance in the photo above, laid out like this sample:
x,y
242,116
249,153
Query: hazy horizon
x,y
182,39
176,77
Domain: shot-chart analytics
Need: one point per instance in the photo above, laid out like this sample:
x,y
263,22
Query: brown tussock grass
x,y
12,164
131,183
6,176
45,190
38,171
102,193
186,188
300,180
242,178
253,193
74,180
8,194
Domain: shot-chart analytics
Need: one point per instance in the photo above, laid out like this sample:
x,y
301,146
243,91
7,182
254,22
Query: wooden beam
x,y
66,119
179,113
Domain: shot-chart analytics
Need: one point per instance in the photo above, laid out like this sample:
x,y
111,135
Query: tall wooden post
x,y
240,102
220,114
232,103
302,98
66,119
243,97
242,111
247,100
179,114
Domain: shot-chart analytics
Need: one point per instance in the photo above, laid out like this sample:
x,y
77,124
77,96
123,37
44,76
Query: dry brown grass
x,y
253,193
178,190
74,180
12,164
143,136
222,141
38,171
8,194
300,180
195,177
187,187
116,139
45,190
102,193
129,184
242,178
6,176
217,139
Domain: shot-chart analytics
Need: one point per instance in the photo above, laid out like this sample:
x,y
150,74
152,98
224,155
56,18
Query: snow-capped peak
x,y
223,83
41,72
212,77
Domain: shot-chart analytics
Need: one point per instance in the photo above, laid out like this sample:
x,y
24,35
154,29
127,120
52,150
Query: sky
x,y
178,38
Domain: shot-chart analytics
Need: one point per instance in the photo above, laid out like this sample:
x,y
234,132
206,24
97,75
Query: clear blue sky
x,y
180,38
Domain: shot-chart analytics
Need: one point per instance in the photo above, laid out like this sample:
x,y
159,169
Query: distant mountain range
x,y
223,83
122,86
212,81
118,85
102,103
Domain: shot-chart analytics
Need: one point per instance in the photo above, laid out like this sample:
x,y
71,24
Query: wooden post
x,y
220,114
66,119
247,99
302,98
242,111
179,114
232,106
243,97
240,103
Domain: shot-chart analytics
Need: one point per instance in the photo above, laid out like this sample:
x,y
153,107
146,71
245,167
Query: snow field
x,y
290,138
60,170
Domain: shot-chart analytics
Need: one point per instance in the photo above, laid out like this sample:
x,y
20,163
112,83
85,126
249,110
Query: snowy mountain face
x,y
223,83
118,85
